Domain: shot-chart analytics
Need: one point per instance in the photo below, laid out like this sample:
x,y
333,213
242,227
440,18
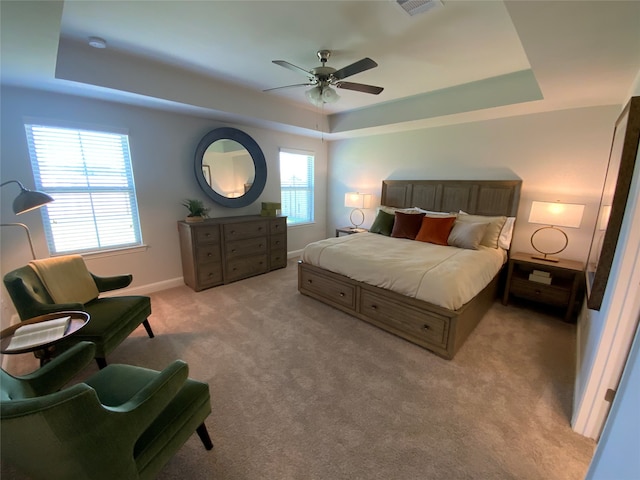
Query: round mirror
x,y
230,167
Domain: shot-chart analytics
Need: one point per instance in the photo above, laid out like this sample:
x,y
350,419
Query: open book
x,y
38,333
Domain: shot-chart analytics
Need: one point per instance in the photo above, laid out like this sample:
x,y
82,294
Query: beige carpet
x,y
302,391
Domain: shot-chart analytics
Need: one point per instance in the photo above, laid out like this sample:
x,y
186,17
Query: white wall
x,y
162,148
559,156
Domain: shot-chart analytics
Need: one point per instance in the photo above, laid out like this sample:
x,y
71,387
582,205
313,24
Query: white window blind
x,y
297,186
88,174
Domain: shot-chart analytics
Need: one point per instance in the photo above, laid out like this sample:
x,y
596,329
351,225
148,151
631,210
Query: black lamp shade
x,y
29,200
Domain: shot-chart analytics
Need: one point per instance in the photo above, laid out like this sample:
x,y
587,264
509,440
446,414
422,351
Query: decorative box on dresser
x,y
223,250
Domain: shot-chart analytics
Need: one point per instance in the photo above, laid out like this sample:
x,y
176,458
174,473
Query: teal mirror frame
x,y
259,163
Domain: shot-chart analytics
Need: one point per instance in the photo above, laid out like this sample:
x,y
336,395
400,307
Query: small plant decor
x,y
197,210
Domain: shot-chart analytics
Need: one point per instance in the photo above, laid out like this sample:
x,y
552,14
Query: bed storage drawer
x,y
334,291
404,319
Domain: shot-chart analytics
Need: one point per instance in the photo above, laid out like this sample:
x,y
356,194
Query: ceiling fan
x,y
322,78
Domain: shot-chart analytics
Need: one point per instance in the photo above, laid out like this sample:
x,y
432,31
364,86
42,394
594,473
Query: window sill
x,y
111,253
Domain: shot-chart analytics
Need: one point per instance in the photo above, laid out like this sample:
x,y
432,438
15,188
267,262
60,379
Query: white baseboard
x,y
295,254
147,289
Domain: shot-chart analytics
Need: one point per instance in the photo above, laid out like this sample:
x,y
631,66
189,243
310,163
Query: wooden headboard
x,y
478,197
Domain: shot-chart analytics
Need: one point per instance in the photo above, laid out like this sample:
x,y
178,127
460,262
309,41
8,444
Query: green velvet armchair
x,y
123,422
112,318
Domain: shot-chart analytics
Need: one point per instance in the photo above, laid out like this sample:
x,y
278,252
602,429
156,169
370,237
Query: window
x,y
88,174
296,185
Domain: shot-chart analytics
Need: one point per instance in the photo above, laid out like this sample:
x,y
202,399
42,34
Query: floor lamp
x,y
26,201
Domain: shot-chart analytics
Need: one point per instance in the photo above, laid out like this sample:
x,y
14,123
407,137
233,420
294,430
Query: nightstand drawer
x,y
540,292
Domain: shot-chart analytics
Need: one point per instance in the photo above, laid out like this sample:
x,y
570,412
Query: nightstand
x,y
349,230
557,284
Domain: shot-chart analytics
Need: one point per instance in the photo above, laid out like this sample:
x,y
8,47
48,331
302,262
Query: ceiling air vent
x,y
414,7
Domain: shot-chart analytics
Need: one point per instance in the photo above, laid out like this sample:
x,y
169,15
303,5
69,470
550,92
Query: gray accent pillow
x,y
467,235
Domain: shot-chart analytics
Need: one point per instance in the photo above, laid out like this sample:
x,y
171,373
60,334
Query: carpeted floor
x,y
302,391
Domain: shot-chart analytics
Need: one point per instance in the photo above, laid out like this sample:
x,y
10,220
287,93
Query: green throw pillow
x,y
383,224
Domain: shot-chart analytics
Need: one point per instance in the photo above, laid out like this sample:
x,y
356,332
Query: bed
x,y
391,290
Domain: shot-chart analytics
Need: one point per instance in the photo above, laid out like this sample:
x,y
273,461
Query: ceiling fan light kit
x,y
320,95
322,78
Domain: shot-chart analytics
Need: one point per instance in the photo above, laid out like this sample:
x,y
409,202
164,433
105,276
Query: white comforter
x,y
445,276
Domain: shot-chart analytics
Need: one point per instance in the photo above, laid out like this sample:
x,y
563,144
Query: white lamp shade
x,y
357,200
556,214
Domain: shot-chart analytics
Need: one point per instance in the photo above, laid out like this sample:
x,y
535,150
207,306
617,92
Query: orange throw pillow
x,y
435,230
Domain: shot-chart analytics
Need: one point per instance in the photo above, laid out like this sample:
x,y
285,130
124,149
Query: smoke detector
x,y
97,42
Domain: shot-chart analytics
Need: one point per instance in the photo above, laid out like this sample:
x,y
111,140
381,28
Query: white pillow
x,y
431,213
506,234
393,210
492,234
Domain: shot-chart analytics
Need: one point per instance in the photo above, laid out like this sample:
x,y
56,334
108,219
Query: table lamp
x,y
26,201
554,214
357,201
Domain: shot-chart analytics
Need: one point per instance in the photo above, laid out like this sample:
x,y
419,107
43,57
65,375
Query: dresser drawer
x,y
278,225
208,253
234,231
540,292
250,246
208,234
278,242
333,290
209,274
277,259
246,267
426,327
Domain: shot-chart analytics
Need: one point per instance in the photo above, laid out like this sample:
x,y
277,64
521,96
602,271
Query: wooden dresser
x,y
223,250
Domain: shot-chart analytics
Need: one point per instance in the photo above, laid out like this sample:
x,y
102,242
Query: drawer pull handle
x,y
310,281
426,327
259,229
537,292
260,246
374,307
342,294
233,250
209,254
207,234
234,269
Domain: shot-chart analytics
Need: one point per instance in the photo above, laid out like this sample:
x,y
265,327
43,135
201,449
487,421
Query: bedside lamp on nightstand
x,y
554,214
357,201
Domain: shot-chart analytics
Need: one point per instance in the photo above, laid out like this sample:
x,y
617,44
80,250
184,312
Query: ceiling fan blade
x,y
289,86
359,87
293,67
357,67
